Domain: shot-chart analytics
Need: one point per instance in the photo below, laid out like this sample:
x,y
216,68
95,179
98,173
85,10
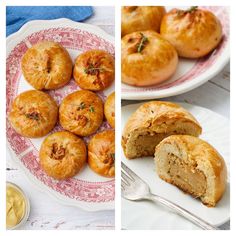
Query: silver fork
x,y
134,189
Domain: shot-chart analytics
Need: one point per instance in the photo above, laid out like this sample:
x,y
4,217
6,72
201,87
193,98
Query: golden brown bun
x,y
62,155
156,62
101,153
47,65
196,158
81,112
151,123
109,109
194,34
33,114
94,70
136,18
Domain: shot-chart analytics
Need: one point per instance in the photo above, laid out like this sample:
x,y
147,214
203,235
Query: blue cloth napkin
x,y
18,15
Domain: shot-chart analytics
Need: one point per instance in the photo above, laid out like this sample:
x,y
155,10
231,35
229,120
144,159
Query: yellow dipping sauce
x,y
15,208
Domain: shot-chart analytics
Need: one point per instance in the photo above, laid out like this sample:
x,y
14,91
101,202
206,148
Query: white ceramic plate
x,y
190,73
147,215
86,190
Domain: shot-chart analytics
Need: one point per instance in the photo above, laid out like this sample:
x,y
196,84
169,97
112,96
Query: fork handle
x,y
183,212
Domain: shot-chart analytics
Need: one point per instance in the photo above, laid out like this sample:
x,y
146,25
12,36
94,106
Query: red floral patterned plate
x,y
86,190
190,73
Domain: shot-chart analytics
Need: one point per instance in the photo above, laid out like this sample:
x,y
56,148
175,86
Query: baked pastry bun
x,y
81,112
151,123
146,59
194,32
193,165
101,153
109,109
33,114
46,65
94,70
62,155
136,18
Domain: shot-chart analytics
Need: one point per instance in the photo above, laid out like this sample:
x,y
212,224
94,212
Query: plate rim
x,y
176,91
44,189
40,24
11,41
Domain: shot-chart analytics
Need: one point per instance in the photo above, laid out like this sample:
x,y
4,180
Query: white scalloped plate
x,y
190,73
147,215
87,190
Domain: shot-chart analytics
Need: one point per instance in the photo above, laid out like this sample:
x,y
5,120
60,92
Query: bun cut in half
x,y
192,165
151,123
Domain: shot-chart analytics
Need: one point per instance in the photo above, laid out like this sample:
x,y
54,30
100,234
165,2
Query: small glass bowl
x,y
27,206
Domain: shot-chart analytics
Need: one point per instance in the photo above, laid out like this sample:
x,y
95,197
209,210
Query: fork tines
x,y
128,172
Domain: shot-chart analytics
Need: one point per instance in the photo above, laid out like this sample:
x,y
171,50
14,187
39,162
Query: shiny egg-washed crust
x,y
199,155
136,18
194,34
161,118
94,70
156,62
101,153
62,155
33,114
109,109
46,65
81,112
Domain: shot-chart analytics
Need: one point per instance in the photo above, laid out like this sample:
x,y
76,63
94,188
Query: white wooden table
x,y
46,213
214,95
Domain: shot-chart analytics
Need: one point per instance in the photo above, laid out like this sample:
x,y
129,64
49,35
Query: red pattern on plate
x,y
72,188
202,64
71,39
19,144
